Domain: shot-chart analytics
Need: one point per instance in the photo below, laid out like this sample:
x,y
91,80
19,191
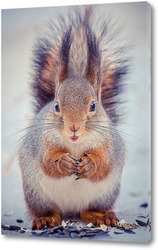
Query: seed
x,y
103,227
121,222
145,204
90,225
14,228
129,231
63,223
117,231
19,221
141,223
74,234
80,160
126,226
22,231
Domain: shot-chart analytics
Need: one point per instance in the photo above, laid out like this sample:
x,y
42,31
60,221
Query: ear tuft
x,y
63,71
93,73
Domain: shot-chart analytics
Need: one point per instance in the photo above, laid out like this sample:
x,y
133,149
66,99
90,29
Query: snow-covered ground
x,y
19,28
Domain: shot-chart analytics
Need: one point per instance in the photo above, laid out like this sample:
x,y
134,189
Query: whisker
x,y
45,131
119,131
122,123
48,131
38,126
100,131
111,133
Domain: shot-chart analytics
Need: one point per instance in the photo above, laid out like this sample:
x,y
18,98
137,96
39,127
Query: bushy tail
x,y
80,46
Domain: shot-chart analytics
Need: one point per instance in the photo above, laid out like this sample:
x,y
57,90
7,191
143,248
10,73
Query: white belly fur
x,y
72,195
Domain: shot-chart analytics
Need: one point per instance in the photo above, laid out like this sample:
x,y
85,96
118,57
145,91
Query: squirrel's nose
x,y
74,128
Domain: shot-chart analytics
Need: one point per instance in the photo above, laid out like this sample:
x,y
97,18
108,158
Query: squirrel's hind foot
x,y
46,221
98,218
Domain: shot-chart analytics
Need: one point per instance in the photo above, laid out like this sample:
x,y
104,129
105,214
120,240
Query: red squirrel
x,y
72,156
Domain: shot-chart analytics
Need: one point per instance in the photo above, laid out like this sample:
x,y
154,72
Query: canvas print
x,y
76,122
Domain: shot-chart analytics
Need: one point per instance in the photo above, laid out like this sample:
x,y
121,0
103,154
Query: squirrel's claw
x,y
86,154
73,158
74,172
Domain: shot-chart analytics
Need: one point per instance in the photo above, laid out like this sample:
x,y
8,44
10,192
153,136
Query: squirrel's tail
x,y
80,46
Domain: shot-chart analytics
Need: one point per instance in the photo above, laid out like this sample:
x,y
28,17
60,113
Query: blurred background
x,y
19,32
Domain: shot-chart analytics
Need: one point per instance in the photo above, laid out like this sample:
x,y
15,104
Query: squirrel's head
x,y
78,99
75,105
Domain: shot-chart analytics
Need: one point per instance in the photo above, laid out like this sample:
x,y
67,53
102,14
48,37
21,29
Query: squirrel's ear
x,y
63,70
93,73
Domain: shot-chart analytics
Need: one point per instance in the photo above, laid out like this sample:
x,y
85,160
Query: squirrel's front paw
x,y
86,166
66,165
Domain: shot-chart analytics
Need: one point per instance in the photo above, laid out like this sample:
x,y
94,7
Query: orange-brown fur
x,y
99,217
52,220
96,159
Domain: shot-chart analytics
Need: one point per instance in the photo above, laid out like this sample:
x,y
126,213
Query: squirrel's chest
x,y
71,195
85,143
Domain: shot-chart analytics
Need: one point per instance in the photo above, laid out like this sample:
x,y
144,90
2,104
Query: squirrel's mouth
x,y
74,138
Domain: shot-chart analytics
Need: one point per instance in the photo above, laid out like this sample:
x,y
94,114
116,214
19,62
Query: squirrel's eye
x,y
56,107
92,107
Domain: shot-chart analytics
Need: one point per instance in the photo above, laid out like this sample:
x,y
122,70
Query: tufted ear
x,y
63,70
93,73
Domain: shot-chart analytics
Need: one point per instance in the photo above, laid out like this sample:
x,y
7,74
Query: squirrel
x,y
72,156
